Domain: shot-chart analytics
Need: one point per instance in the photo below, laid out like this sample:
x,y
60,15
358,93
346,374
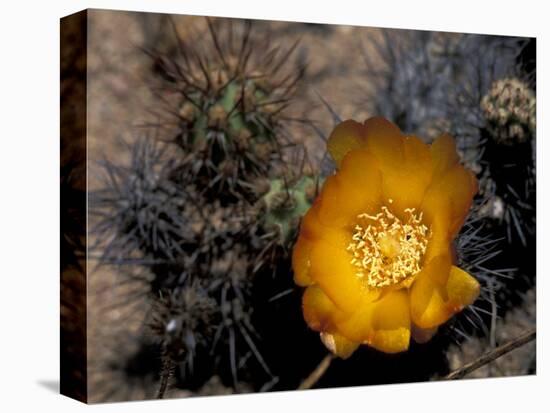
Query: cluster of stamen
x,y
387,250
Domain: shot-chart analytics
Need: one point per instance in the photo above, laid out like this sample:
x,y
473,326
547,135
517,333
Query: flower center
x,y
387,250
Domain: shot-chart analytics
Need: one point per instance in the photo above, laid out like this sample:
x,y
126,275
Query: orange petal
x,y
405,183
433,303
334,207
381,321
331,268
448,199
357,326
440,239
310,225
301,261
355,189
462,202
428,294
462,197
418,160
444,154
391,323
341,202
361,167
339,345
338,238
319,311
462,289
385,141
346,136
360,177
313,229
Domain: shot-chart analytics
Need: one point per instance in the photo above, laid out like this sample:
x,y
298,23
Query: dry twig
x,y
492,355
166,373
316,374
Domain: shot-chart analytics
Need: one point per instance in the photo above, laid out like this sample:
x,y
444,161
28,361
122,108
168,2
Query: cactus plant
x,y
285,203
214,206
228,102
508,109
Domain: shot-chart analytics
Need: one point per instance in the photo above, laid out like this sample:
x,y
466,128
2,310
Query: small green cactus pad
x,y
286,203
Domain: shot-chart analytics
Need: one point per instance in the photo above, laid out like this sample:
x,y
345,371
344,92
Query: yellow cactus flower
x,y
375,250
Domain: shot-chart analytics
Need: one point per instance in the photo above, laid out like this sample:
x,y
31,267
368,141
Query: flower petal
x,y
391,323
440,239
313,229
439,292
357,326
334,207
385,141
301,261
331,268
383,323
428,294
339,345
405,183
319,311
444,154
311,226
341,201
346,136
361,179
448,199
462,289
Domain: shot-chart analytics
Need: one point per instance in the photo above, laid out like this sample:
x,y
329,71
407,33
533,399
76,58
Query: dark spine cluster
x,y
211,203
